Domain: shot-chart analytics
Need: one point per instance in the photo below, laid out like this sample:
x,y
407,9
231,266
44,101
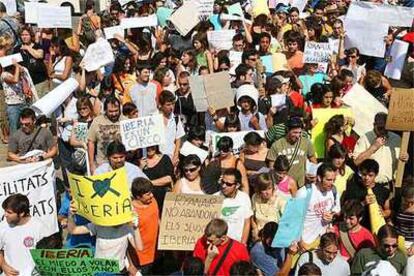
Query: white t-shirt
x,y
17,241
234,211
173,130
318,204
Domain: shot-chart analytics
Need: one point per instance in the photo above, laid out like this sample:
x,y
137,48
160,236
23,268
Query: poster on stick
x,y
184,217
400,111
143,132
36,181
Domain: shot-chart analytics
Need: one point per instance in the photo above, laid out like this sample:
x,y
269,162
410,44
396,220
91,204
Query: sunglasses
x,y
184,84
390,245
186,170
352,56
228,184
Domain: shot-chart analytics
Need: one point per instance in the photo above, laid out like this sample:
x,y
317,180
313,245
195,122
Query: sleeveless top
x,y
185,188
283,186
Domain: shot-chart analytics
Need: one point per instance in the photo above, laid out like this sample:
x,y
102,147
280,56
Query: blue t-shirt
x,y
268,264
308,80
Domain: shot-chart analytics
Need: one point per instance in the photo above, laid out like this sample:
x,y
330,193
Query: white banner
x,y
363,110
380,13
316,52
394,68
49,16
36,181
98,54
143,132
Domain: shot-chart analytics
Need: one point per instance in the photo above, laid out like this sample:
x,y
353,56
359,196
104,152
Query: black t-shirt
x,y
163,168
36,67
355,190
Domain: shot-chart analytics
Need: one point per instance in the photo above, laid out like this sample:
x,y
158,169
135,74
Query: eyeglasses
x,y
228,184
390,245
186,170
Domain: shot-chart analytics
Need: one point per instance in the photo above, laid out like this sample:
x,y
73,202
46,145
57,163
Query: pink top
x,y
283,185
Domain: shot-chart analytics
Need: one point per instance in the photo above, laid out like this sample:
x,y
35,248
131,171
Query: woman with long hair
x,y
190,182
338,156
203,55
60,61
335,133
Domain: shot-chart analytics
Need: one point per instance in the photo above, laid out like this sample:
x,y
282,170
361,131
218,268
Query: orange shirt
x,y
295,62
148,227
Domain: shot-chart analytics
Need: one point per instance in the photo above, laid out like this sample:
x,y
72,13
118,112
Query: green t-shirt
x,y
366,255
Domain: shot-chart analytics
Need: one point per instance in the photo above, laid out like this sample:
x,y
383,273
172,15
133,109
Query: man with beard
x,y
29,138
104,130
19,233
296,148
144,93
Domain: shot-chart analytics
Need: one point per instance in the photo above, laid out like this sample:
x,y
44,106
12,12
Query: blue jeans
x,y
13,114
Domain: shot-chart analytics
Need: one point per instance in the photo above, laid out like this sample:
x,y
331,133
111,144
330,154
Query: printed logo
x,y
28,242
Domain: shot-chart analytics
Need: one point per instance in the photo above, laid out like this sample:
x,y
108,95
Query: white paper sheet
x,y
278,100
185,18
30,11
49,16
11,6
111,31
52,100
189,148
8,60
367,36
98,55
139,22
398,53
316,52
221,40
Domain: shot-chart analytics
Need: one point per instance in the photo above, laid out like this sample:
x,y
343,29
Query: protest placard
x,y
71,262
98,55
30,12
218,90
49,16
300,4
400,110
221,40
260,7
36,180
235,9
235,58
185,18
230,17
8,60
316,52
398,53
81,131
103,199
143,132
184,217
11,6
364,110
278,100
392,15
139,22
279,62
318,135
357,32
198,93
111,31
52,100
267,62
237,138
189,148
205,8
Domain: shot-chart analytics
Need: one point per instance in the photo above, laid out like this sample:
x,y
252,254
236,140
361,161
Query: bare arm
x,y
162,181
91,153
245,180
177,187
66,72
210,62
246,231
14,79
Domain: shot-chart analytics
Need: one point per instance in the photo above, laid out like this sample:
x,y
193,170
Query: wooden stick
x,y
401,164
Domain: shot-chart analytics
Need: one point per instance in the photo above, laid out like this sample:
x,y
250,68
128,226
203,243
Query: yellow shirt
x,y
340,180
265,212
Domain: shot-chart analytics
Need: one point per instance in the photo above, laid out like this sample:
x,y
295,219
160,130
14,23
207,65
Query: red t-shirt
x,y
361,239
238,252
297,99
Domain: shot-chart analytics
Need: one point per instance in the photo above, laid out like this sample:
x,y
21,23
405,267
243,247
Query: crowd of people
x,y
276,164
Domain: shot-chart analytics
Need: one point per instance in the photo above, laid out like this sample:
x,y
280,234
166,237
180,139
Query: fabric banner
x,y
323,115
184,217
36,181
143,132
103,199
70,262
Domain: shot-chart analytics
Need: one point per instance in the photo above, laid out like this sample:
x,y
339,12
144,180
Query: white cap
x,y
247,90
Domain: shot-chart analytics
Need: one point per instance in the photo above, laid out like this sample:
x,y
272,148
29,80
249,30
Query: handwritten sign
x,y
49,16
218,90
143,132
71,262
97,55
221,40
237,138
316,52
400,111
139,22
103,199
205,8
8,60
184,218
36,180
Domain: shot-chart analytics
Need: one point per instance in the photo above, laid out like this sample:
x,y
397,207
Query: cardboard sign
x,y
8,60
98,55
398,53
71,262
401,110
49,16
184,218
103,199
316,52
221,40
139,22
237,138
364,111
318,135
143,132
36,180
185,18
212,90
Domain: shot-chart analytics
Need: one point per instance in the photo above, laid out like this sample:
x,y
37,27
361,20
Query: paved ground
x,y
3,156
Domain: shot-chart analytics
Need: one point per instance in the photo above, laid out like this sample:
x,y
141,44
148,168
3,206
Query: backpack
x,y
88,35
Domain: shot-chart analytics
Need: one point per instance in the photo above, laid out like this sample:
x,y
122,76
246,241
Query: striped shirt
x,y
404,223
